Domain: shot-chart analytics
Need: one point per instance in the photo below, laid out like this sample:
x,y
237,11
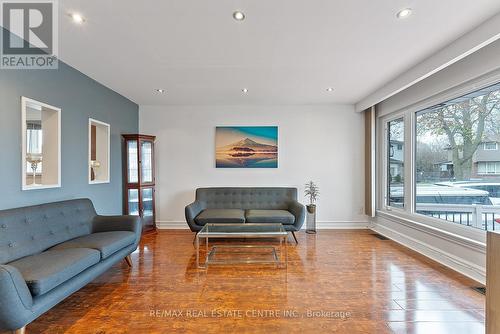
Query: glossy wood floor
x,y
336,282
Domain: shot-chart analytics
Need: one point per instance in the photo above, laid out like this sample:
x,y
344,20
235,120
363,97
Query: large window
x,y
455,160
395,163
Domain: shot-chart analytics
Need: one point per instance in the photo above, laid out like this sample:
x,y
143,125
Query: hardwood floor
x,y
336,282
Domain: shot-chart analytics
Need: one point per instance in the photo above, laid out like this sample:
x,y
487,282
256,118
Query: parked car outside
x,y
493,188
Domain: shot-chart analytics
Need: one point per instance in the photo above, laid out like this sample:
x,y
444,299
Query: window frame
x,y
408,214
384,199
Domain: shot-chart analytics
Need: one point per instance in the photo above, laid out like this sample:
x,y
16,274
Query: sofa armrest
x,y
118,223
192,210
15,299
299,211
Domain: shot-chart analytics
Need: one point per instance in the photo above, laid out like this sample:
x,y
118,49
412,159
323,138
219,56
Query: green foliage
x,y
311,191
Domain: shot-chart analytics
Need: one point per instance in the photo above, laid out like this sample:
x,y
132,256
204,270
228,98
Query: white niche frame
x,y
25,103
103,152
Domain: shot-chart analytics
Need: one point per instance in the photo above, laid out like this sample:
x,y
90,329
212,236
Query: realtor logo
x,y
29,34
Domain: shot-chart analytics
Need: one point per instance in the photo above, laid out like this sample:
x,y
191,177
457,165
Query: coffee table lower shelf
x,y
247,232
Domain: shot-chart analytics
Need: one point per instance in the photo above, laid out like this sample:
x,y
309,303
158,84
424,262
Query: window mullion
x,y
410,161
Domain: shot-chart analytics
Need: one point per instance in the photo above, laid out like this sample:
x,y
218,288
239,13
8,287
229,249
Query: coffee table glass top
x,y
242,230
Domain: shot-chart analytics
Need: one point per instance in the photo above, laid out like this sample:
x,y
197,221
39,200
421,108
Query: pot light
x,y
403,13
244,90
77,18
161,91
238,16
329,89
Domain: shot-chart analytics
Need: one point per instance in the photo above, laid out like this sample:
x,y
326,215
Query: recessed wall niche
x,y
41,145
99,152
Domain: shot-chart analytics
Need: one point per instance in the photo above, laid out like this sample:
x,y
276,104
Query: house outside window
x,y
489,168
490,146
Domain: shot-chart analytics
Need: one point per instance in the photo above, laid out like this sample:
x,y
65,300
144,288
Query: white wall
x,y
320,143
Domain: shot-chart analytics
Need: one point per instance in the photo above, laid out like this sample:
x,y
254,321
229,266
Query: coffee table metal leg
x,y
281,253
197,251
286,254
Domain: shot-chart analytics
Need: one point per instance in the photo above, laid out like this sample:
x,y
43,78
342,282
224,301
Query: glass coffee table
x,y
256,232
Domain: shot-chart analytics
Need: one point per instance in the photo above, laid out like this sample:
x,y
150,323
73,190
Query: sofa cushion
x,y
107,243
262,198
44,271
214,216
33,229
269,216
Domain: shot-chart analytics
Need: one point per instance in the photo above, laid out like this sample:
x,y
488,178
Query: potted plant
x,y
311,191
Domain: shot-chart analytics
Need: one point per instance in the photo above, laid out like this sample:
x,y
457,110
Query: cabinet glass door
x,y
146,161
133,202
147,205
133,163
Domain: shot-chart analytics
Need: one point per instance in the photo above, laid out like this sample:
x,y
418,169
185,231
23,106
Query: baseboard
x,y
167,225
171,225
458,264
346,225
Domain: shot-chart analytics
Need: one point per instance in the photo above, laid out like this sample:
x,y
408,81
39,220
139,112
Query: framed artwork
x,y
246,147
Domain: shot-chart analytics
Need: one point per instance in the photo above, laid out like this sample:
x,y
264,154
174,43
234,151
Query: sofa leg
x,y
20,330
128,259
295,237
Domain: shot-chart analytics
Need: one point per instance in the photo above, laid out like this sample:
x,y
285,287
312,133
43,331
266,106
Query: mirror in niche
x,y
99,148
41,148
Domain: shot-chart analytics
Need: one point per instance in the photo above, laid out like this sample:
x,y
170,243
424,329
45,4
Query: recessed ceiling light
x,y
329,89
403,13
77,18
161,91
244,90
238,16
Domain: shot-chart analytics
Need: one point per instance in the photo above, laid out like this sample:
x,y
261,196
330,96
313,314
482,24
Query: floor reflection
x,y
382,287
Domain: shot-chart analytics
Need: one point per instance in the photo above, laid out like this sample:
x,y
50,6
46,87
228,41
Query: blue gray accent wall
x,y
79,97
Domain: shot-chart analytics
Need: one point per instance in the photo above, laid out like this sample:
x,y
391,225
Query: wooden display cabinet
x,y
139,178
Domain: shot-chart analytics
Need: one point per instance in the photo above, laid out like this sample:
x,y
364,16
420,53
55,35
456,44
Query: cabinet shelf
x,y
137,200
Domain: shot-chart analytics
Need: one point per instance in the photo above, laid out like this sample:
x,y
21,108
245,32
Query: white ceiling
x,y
285,52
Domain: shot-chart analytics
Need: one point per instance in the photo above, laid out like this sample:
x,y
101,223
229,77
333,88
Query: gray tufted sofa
x,y
246,205
49,251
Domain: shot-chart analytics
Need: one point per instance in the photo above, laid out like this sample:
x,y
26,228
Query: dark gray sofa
x,y
246,205
49,251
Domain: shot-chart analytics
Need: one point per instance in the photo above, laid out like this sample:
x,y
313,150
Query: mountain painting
x,y
246,147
